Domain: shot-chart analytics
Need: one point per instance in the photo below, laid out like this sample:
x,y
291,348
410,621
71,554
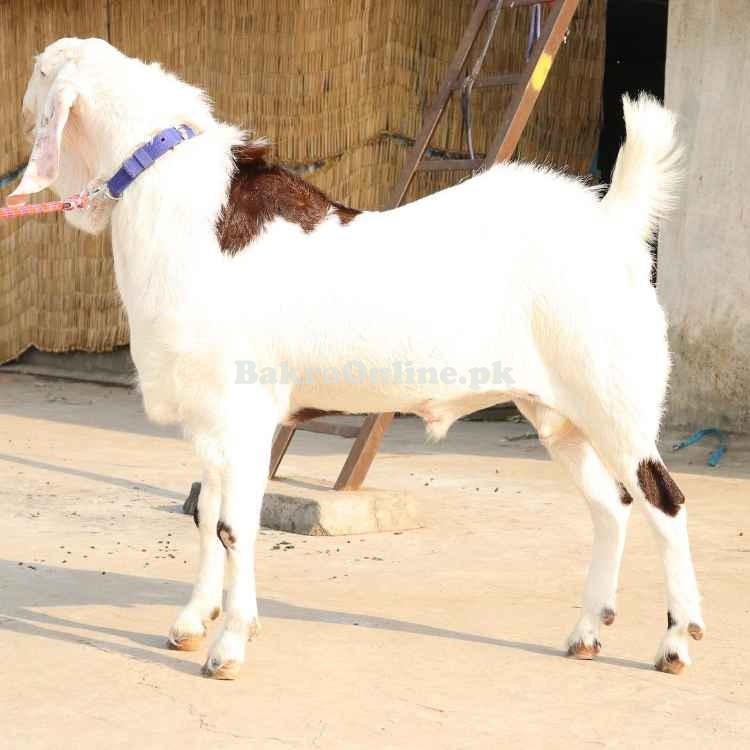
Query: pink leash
x,y
50,207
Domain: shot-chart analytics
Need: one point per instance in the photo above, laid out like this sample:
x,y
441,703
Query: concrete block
x,y
307,508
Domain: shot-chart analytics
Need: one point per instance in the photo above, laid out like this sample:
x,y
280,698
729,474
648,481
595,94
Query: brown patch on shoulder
x,y
625,497
261,192
251,152
659,487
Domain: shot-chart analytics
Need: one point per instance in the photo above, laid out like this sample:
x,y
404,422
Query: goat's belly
x,y
356,398
438,407
367,363
420,399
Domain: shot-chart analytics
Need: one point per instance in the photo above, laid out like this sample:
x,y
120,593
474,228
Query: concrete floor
x,y
446,637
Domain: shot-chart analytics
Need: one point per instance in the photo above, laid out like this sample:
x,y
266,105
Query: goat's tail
x,y
647,174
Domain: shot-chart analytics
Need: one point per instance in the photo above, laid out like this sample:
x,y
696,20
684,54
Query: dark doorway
x,y
634,61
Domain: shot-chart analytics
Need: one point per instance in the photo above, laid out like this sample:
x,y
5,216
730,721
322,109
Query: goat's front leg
x,y
243,483
189,629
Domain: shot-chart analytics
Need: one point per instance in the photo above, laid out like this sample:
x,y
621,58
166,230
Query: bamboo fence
x,y
339,86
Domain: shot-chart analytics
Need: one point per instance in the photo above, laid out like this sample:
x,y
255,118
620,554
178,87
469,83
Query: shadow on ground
x,y
30,588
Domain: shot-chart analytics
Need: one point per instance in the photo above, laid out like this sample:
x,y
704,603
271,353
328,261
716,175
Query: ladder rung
x,y
440,165
331,428
483,82
510,4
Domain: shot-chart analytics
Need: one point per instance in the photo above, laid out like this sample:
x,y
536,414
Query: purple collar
x,y
141,159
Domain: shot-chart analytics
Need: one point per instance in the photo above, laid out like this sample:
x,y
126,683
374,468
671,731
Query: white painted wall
x,y
704,251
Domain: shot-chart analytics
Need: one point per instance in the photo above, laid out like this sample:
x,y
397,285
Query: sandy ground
x,y
446,637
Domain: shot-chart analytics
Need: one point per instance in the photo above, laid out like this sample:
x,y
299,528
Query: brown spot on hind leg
x,y
658,486
696,631
607,616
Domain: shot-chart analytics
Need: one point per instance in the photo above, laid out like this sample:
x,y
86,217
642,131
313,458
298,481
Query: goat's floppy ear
x,y
44,163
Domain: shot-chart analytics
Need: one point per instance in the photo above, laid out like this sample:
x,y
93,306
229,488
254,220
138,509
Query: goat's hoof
x,y
696,631
229,670
670,663
187,634
583,651
186,643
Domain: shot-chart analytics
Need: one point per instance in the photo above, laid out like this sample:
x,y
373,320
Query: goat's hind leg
x,y
631,455
609,505
667,514
189,629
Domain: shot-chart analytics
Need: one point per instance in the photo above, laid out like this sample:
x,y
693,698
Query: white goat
x,y
221,258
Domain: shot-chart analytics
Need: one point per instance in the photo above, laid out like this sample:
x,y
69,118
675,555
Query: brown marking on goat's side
x,y
625,497
659,487
226,535
261,192
305,415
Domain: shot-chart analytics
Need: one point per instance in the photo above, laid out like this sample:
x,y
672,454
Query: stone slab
x,y
303,507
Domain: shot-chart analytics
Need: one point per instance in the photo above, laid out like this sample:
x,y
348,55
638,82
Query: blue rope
x,y
715,457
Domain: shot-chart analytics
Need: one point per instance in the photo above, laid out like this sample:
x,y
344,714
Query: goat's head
x,y
86,107
56,109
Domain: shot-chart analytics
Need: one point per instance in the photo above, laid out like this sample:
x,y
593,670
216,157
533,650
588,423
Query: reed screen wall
x,y
339,86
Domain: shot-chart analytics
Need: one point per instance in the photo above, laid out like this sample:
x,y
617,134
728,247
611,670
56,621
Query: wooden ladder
x,y
528,84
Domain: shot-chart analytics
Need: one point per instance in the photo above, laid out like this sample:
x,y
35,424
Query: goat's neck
x,y
164,230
